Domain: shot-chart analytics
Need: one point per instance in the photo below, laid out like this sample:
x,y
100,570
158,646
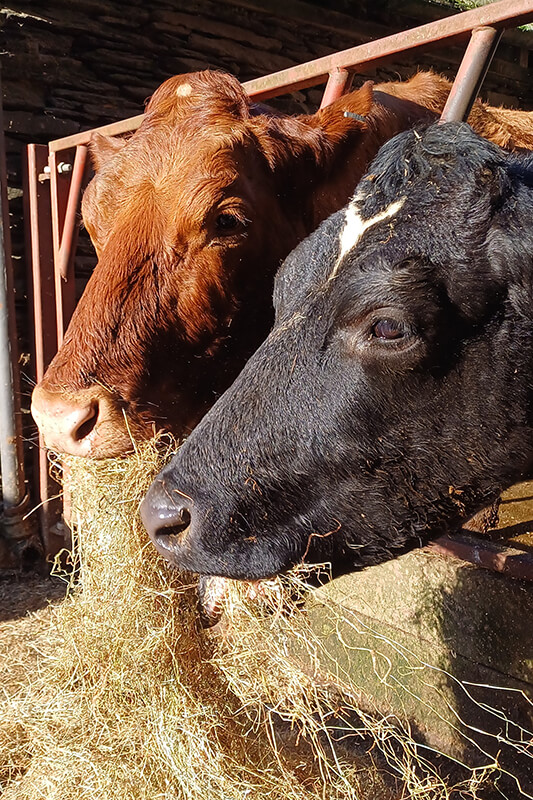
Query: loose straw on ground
x,y
128,698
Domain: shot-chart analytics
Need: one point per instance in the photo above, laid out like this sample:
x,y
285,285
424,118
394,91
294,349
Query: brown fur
x,y
175,305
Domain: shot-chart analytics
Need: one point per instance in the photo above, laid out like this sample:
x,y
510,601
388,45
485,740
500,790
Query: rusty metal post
x,y
65,189
37,212
16,529
494,556
70,223
471,73
339,82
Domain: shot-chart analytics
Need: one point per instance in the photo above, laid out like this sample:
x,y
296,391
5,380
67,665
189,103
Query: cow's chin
x,y
252,563
212,592
213,588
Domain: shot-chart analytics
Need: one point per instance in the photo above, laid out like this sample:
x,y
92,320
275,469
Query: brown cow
x,y
190,218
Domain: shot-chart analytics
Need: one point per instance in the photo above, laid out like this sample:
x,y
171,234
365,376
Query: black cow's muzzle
x,y
201,536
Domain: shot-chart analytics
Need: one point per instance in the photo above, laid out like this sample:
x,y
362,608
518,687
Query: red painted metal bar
x,y
40,264
471,73
84,137
40,256
60,190
503,13
339,83
70,223
490,555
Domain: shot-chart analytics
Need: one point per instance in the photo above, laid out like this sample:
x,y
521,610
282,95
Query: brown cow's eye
x,y
227,222
388,329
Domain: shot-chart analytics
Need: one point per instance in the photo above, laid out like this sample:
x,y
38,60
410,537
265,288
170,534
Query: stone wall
x,y
79,65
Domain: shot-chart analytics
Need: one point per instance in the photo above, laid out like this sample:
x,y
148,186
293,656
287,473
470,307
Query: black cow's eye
x,y
227,222
388,329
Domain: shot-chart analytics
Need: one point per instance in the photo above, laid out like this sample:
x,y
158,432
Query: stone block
x,y
445,646
263,62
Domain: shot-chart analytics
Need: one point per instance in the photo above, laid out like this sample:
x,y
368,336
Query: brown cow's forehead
x,y
163,150
187,171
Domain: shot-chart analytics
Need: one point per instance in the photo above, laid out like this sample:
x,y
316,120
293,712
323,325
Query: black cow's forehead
x,y
424,201
435,159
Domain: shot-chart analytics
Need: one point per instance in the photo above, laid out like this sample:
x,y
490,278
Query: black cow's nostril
x,y
178,526
166,516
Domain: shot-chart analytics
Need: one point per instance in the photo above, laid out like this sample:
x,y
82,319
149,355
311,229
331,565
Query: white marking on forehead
x,y
184,90
355,226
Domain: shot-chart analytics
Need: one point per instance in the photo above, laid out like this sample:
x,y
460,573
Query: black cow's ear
x,y
477,296
103,148
491,242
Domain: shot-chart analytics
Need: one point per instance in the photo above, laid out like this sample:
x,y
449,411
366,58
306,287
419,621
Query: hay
x,y
128,697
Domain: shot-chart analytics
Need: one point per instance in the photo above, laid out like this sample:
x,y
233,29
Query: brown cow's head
x,y
190,218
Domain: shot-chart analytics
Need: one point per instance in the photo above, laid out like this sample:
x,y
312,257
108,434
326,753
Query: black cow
x,y
394,395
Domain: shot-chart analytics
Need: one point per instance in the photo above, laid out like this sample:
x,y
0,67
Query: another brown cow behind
x,y
190,218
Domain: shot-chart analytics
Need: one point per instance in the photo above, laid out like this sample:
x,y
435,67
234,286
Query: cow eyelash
x,y
389,330
383,330
380,333
390,334
228,222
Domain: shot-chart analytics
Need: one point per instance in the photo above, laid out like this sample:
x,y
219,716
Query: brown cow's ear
x,y
104,147
332,120
317,135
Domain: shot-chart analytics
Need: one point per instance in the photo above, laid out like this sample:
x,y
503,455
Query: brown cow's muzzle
x,y
85,423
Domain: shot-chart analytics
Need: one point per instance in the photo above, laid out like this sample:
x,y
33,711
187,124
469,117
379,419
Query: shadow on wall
x,y
485,618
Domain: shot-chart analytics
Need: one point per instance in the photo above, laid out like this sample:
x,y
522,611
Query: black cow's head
x,y
394,396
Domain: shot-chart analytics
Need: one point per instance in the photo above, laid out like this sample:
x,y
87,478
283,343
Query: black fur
x,y
339,444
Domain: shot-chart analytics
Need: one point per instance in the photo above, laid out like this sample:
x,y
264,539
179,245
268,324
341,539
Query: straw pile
x,y
127,697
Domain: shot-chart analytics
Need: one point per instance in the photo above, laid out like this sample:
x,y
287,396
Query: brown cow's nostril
x,y
88,424
69,425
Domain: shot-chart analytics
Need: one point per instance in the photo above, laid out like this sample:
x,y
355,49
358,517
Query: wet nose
x,y
67,426
166,514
